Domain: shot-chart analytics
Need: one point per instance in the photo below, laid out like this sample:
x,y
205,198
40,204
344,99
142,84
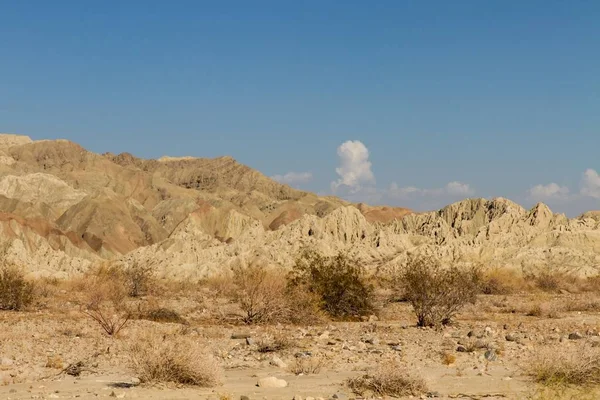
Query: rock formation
x,y
63,208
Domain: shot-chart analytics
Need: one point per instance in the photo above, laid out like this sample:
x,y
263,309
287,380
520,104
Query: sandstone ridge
x,y
63,209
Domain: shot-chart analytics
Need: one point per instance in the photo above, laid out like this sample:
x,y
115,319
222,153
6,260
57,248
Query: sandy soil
x,y
36,346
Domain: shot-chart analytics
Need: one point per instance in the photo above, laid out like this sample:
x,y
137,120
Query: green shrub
x,y
15,292
338,282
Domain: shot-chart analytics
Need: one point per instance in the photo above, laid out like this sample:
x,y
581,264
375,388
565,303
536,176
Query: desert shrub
x,y
389,379
339,283
260,293
437,293
105,303
16,292
566,366
501,281
550,279
162,314
138,278
306,366
175,359
274,344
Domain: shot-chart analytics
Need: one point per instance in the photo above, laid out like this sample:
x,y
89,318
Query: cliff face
x,y
63,208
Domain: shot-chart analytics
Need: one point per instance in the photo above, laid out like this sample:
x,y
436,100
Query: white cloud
x,y
354,168
456,188
452,189
292,178
549,191
591,184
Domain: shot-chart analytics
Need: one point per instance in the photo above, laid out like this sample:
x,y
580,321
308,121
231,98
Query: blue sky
x,y
412,103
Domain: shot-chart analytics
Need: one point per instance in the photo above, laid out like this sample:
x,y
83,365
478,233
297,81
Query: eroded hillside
x,y
63,208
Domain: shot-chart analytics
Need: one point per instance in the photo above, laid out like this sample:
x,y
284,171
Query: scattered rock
x,y
241,336
511,337
278,362
491,355
271,382
575,336
461,349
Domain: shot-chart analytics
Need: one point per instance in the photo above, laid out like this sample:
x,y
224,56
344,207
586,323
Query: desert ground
x,y
52,349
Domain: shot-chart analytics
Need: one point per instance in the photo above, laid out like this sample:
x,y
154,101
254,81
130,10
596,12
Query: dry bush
x,y
55,362
564,393
448,358
566,366
502,281
274,344
138,278
437,293
175,359
543,310
162,314
306,366
339,282
265,297
105,303
389,379
260,293
16,292
552,280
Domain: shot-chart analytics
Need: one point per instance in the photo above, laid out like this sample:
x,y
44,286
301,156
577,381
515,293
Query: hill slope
x,y
63,208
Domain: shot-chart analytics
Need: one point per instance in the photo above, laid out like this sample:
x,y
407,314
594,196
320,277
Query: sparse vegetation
x,y
339,282
175,359
16,292
162,314
260,293
566,366
138,278
105,303
274,344
389,379
438,293
306,366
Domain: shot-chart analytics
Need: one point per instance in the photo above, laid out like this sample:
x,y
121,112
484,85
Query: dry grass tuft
x,y
389,379
174,359
307,366
271,345
448,358
502,281
566,366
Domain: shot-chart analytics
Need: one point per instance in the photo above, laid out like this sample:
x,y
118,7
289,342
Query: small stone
x,y
278,362
303,354
6,361
135,381
511,338
491,355
373,341
434,394
271,382
340,396
241,336
461,349
373,318
244,397
575,336
249,341
297,397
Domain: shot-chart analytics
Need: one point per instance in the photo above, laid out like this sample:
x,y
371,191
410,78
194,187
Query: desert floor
x,y
497,338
